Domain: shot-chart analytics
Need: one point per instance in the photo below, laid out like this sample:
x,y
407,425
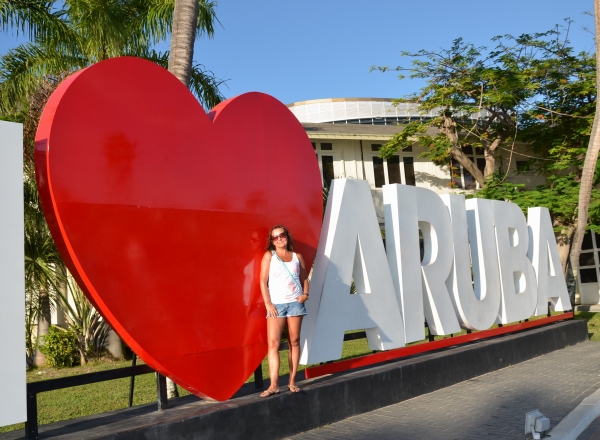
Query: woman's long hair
x,y
290,242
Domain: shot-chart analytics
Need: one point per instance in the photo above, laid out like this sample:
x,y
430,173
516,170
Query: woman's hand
x,y
271,311
302,298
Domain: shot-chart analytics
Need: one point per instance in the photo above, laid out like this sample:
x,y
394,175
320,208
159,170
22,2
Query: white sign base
x,y
12,287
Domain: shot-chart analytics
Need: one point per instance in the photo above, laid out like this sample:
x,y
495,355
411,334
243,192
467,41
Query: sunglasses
x,y
280,236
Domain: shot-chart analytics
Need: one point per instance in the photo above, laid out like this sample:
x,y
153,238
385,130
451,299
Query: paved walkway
x,y
491,406
592,432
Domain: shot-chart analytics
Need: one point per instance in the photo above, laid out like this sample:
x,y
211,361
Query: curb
x,y
579,419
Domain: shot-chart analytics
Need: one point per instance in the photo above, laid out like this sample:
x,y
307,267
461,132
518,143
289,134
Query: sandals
x,y
268,393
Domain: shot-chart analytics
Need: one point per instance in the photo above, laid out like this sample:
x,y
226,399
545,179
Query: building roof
x,y
355,131
356,110
351,131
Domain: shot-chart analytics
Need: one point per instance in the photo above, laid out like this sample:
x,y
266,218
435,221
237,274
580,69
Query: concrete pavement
x,y
491,406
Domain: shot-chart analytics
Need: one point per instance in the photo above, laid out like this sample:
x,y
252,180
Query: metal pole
x,y
31,425
161,391
132,381
258,378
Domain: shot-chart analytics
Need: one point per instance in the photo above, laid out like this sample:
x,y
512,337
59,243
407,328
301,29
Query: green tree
x,y
477,97
590,162
557,127
533,89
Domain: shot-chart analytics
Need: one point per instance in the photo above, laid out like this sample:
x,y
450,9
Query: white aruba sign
x,y
12,288
483,263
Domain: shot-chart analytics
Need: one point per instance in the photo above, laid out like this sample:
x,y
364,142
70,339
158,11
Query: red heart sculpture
x,y
161,212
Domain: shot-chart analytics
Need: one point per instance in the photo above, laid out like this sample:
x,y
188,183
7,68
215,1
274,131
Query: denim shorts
x,y
293,308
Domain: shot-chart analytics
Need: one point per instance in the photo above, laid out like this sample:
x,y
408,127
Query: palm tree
x,y
64,37
189,17
43,272
589,165
67,36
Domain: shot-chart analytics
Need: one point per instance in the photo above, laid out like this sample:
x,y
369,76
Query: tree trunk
x,y
469,165
589,165
449,130
43,327
564,246
183,35
490,162
172,390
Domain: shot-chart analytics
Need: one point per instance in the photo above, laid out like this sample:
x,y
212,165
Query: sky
x,y
310,49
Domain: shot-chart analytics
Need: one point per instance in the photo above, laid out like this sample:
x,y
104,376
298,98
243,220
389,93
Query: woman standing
x,y
284,287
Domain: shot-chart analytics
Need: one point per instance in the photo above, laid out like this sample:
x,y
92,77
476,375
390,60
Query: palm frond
x,y
206,18
23,69
34,18
203,84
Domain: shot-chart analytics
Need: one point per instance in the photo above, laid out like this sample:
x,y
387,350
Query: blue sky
x,y
323,49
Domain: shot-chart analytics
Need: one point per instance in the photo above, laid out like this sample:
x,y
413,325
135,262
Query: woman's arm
x,y
303,279
265,264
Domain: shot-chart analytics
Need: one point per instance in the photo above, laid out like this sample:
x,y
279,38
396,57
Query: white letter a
x,y
350,248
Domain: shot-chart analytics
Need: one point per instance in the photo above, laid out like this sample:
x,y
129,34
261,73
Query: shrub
x,y
61,348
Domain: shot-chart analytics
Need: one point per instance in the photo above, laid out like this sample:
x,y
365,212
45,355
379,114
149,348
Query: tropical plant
x,y
64,37
84,321
60,347
43,274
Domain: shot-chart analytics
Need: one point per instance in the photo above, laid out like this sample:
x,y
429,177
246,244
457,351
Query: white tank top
x,y
282,287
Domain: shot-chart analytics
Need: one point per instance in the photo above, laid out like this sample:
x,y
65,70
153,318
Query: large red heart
x,y
162,212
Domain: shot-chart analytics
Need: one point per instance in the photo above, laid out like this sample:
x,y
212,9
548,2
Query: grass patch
x,y
85,400
100,397
593,324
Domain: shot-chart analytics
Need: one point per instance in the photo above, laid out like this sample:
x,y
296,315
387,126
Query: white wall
x,y
12,288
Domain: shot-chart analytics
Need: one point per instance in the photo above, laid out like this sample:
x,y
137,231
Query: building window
x,y
523,166
409,171
393,170
379,172
588,259
327,167
480,161
394,174
470,182
324,155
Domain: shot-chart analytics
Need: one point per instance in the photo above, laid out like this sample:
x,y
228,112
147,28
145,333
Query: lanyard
x,y
288,270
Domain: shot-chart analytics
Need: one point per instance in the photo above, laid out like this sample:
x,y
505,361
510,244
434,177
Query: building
x,y
347,134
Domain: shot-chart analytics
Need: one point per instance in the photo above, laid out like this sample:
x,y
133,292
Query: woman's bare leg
x,y
274,329
294,323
